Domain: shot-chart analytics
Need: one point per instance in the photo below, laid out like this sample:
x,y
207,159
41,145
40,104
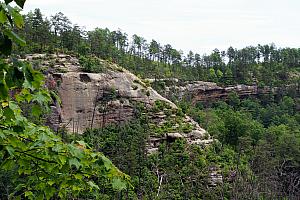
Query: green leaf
x,y
3,17
14,106
14,37
75,151
44,137
34,78
8,164
118,184
107,163
28,194
8,9
40,98
2,135
8,1
10,150
15,143
81,143
51,182
36,110
19,2
3,91
55,97
38,79
93,185
49,192
62,159
75,162
5,45
28,73
17,18
14,78
9,114
94,155
78,176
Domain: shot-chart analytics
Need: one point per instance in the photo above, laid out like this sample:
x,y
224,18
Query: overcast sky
x,y
197,25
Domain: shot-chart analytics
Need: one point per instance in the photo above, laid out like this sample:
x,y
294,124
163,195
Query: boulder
x,y
174,135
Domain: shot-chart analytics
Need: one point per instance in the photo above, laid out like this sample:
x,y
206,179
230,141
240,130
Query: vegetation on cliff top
x,y
261,64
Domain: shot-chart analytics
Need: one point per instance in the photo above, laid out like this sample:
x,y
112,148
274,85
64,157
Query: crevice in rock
x,y
79,111
85,78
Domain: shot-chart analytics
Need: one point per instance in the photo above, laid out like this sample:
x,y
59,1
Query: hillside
x,y
99,115
114,105
95,100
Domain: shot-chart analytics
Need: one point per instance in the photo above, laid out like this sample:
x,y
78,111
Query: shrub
x,y
91,64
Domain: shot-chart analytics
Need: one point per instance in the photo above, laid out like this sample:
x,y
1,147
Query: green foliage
x,y
261,140
137,81
159,85
91,64
125,145
38,163
264,65
212,75
176,171
8,18
233,99
174,119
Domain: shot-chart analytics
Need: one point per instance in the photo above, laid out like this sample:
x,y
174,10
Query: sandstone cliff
x,y
200,91
93,100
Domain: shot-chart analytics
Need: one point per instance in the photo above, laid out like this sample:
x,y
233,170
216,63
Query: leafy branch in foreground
x,y
40,164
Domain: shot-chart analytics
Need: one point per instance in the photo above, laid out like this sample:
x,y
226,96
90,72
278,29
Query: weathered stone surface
x,y
215,176
152,150
90,100
174,135
202,141
197,134
200,91
83,98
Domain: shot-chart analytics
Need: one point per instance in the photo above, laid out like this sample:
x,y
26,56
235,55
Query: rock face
x,y
200,91
215,176
93,100
210,91
90,100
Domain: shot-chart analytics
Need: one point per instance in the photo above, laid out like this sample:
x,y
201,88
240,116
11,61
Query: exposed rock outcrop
x,y
93,100
200,91
215,176
206,91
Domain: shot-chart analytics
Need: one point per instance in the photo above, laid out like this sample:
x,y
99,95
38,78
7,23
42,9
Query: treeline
x,y
262,64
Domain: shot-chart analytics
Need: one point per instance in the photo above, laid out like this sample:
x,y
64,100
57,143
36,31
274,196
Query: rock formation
x,y
200,91
93,100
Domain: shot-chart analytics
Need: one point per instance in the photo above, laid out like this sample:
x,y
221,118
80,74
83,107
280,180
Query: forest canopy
x,y
262,64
